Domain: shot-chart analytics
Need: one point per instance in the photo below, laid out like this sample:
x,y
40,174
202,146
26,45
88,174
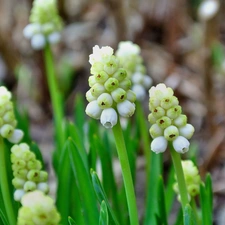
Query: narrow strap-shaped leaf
x,y
104,217
83,179
209,192
101,195
71,221
179,219
189,217
3,218
161,201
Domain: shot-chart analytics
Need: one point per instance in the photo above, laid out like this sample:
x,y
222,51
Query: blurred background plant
x,y
181,42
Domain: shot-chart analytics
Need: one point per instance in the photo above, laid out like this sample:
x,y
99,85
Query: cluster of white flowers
x,y
129,56
7,118
167,121
45,24
38,209
27,172
192,179
110,88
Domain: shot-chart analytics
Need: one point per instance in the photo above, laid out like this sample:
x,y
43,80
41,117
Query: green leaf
x,y
84,184
206,200
179,219
102,196
71,221
3,218
189,217
161,201
104,218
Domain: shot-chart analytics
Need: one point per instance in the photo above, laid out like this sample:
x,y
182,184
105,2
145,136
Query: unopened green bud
x,y
171,133
34,164
151,119
6,130
164,122
120,74
125,84
119,95
180,121
155,131
174,112
158,112
131,96
111,84
29,186
18,182
8,117
97,89
33,175
97,67
193,189
105,101
91,81
168,102
153,103
43,176
101,76
18,164
111,65
21,173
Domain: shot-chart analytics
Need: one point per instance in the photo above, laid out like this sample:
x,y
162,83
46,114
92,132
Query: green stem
x,y
5,186
127,178
180,176
55,97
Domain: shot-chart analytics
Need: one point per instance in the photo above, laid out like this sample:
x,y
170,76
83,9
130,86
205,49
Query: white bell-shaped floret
x,y
159,144
54,38
38,41
31,29
187,131
16,136
18,194
139,90
93,110
109,118
126,108
181,144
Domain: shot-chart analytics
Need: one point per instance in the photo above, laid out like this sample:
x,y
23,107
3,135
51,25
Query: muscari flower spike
x,y
37,208
109,94
192,179
45,24
167,121
27,172
129,56
7,118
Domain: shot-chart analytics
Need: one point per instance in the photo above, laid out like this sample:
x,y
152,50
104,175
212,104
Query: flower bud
x,y
38,41
93,110
105,101
109,118
54,38
187,131
168,101
16,136
125,84
120,74
111,65
89,96
181,144
174,112
101,76
159,145
119,95
97,89
180,121
126,108
18,182
111,84
155,131
43,187
171,133
147,82
31,29
29,186
6,130
18,194
131,96
137,77
91,81
151,119
139,91
97,67
158,112
164,122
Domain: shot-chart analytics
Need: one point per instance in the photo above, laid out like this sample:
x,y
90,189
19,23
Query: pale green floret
x,y
97,67
6,130
120,74
33,175
21,173
29,186
153,103
90,97
125,84
151,119
174,112
18,164
34,164
171,133
91,81
168,102
163,122
111,65
97,89
155,131
119,95
105,101
131,96
180,121
8,117
111,84
187,131
18,183
158,112
101,76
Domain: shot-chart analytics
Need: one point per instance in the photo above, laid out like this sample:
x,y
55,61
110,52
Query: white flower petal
x,y
109,118
16,137
187,131
38,41
93,110
18,194
181,144
126,108
208,9
31,29
159,145
54,38
140,92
